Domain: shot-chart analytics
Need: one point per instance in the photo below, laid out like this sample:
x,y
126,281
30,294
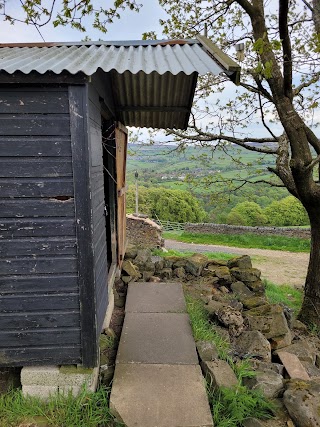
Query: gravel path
x,y
280,267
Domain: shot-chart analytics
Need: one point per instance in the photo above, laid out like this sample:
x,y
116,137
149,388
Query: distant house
x,y
63,144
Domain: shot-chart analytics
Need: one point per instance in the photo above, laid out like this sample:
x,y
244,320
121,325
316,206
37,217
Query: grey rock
x,y
246,274
195,264
223,274
268,319
232,318
131,252
302,400
207,350
258,365
269,382
222,332
166,274
303,350
296,324
281,341
155,279
131,269
179,272
243,261
219,374
159,265
311,369
128,279
240,289
142,259
119,298
258,287
254,344
214,306
253,302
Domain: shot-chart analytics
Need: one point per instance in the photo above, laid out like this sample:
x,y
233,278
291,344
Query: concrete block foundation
x,y
43,381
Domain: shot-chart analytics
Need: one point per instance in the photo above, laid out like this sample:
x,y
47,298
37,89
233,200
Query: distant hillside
x,y
194,167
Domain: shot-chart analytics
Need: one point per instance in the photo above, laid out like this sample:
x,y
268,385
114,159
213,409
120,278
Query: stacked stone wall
x,y
143,232
206,228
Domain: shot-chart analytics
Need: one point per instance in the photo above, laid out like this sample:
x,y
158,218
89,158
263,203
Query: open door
x,y
121,160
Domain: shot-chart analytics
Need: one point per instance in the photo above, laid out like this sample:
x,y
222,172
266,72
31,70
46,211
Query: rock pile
x,y
285,361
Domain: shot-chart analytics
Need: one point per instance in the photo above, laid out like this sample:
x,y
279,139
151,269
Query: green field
x,y
210,175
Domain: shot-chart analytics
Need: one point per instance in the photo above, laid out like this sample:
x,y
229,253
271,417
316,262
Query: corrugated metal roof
x,y
152,82
187,58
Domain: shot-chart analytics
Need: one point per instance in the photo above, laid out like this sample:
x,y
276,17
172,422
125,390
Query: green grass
x,y
284,294
86,410
218,256
291,244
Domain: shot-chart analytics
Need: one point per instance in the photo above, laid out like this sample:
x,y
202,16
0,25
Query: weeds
x,y
232,406
86,410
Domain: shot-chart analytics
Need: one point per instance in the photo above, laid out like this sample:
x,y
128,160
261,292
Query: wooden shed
x,y
63,144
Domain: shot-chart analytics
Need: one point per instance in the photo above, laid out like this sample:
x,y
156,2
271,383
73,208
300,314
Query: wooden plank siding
x,y
39,289
99,236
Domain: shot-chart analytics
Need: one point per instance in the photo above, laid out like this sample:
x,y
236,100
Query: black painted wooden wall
x,y
39,288
99,237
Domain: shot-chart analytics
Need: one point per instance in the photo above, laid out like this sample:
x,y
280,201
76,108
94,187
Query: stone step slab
x,y
157,338
155,298
146,395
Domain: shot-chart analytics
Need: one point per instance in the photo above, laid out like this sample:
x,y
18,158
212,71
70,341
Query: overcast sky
x,y
129,27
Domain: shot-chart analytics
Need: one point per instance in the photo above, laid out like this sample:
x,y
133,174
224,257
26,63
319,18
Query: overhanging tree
x,y
279,89
280,84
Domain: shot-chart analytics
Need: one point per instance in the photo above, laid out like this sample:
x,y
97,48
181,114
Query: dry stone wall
x,y
208,228
143,232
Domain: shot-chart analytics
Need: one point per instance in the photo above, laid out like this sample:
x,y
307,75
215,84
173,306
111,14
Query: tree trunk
x,y
310,311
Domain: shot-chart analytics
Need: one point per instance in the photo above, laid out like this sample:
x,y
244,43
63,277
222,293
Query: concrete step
x,y
158,381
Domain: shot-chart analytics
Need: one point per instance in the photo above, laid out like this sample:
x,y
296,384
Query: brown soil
x,y
279,267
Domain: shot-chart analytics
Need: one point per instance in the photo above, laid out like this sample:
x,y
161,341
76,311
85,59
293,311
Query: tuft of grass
x,y
284,294
218,256
232,406
86,410
246,240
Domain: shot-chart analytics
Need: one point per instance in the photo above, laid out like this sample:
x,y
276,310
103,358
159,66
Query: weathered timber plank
x,y
33,356
98,201
13,266
36,227
40,187
59,283
36,207
33,124
50,336
35,167
54,319
35,303
28,146
78,96
27,102
38,246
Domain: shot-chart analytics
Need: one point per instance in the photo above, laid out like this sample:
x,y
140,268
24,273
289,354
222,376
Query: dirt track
x,y
278,266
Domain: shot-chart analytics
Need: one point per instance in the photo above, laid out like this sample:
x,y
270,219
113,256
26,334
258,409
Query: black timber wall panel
x,y
98,207
39,295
